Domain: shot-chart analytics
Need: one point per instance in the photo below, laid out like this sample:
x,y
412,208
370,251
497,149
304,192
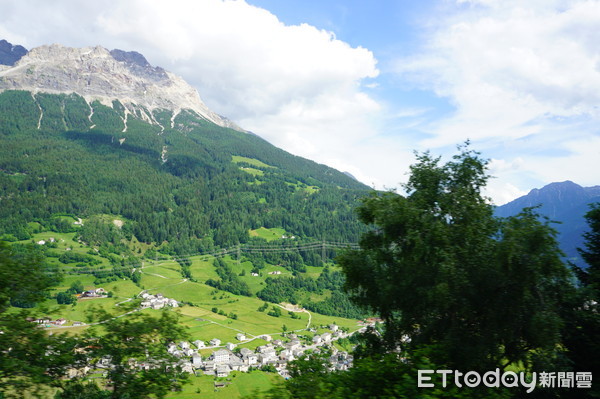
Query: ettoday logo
x,y
508,379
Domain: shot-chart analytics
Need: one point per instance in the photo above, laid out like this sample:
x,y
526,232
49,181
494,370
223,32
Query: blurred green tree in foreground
x,y
456,287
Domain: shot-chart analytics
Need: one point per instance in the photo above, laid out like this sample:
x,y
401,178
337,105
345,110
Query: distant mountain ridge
x,y
565,202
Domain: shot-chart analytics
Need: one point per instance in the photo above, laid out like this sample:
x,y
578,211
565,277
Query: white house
x,y
199,344
189,352
266,337
196,360
249,357
209,367
229,346
145,304
184,345
223,370
287,354
215,342
333,327
326,337
235,363
240,337
221,356
186,367
293,344
245,352
177,353
317,339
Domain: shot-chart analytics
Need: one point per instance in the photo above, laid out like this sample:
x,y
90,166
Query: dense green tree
x,y
76,287
30,358
275,311
24,276
377,376
65,298
443,271
590,277
582,312
128,343
79,390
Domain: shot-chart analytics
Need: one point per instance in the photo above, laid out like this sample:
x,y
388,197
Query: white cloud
x,y
511,63
516,72
503,193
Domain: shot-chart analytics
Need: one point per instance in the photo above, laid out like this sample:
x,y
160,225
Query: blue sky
x,y
359,85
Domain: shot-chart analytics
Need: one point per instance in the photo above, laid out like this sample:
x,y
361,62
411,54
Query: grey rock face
x,y
138,64
98,74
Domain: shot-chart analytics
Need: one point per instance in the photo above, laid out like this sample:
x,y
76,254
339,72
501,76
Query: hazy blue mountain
x,y
565,202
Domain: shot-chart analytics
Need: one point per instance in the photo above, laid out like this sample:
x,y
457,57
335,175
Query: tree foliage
x,y
442,270
140,366
582,311
197,198
24,276
29,357
590,277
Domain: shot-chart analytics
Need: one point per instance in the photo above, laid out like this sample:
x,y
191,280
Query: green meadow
x,y
199,301
237,385
267,234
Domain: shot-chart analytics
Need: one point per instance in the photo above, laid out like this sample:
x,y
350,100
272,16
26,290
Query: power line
x,y
249,248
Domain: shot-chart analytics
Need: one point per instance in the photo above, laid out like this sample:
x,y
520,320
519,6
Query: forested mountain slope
x,y
177,178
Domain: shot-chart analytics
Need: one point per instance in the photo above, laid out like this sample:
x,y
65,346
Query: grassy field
x,y
303,187
198,301
267,234
251,161
252,171
237,385
164,276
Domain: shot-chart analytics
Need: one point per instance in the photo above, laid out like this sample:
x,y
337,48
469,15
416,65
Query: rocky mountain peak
x,y
96,73
10,54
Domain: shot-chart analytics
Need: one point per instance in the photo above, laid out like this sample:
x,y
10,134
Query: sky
x,y
361,85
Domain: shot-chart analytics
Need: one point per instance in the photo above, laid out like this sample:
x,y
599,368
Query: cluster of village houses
x,y
48,322
275,353
157,301
221,362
